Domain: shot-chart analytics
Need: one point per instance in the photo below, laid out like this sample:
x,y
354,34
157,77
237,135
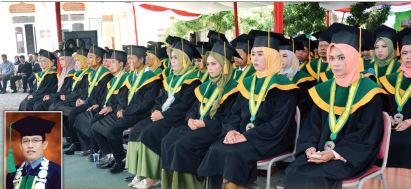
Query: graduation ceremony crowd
x,y
192,111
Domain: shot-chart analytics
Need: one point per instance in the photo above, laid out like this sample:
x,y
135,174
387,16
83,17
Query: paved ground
x,y
79,173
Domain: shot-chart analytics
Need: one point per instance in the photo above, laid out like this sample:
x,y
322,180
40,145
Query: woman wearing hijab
x,y
398,86
384,58
261,123
185,145
155,53
330,150
170,109
64,83
46,81
302,79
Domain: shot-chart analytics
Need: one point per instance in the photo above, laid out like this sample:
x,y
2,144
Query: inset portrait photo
x,y
32,151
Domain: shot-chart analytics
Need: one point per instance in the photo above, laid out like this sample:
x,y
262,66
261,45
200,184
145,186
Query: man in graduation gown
x,y
318,65
115,86
64,83
261,124
243,44
46,81
331,150
36,171
97,80
132,104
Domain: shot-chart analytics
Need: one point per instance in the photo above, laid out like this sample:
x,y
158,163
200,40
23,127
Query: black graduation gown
x,y
55,97
151,133
53,176
399,155
96,97
273,134
138,109
358,142
183,149
48,86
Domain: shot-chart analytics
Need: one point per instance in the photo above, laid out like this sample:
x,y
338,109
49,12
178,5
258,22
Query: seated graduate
x,y
111,99
367,38
174,101
199,63
318,65
244,68
64,83
66,102
290,68
94,98
155,53
132,105
36,171
384,60
167,62
330,150
184,147
46,81
398,86
261,123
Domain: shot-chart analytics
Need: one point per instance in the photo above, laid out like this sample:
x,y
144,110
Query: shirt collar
x,y
242,69
35,163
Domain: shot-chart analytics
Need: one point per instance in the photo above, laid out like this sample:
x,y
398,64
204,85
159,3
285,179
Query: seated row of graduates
x,y
237,118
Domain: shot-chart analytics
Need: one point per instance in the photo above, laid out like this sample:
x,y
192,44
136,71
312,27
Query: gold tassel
x,y
398,50
225,71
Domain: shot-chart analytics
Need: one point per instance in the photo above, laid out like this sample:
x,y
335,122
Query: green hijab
x,y
221,80
185,63
391,52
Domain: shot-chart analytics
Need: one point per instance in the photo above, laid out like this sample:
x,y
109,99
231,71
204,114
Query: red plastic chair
x,y
375,171
266,164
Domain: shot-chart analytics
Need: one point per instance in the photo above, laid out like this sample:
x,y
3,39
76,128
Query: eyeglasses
x,y
34,141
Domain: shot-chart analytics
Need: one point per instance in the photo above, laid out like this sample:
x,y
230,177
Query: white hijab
x,y
292,65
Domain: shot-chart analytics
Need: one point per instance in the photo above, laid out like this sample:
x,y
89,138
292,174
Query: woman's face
x,y
214,68
336,60
63,61
115,66
77,65
406,55
258,59
381,50
44,62
284,58
198,62
175,63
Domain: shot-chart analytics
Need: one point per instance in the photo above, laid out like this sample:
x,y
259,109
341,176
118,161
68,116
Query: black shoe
x,y
24,91
3,92
14,91
117,168
106,165
129,179
71,149
66,145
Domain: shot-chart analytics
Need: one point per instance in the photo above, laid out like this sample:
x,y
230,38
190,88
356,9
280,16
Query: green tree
x,y
303,17
362,15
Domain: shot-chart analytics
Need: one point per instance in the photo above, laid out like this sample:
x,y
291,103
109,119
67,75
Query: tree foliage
x,y
369,18
306,17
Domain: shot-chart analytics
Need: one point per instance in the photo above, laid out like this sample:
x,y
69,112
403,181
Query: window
x,y
72,22
406,23
23,19
19,40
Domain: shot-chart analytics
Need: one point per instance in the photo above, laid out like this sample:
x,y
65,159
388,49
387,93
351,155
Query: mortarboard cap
x,y
65,52
243,42
47,54
82,51
32,125
385,31
139,51
349,35
404,37
119,55
213,36
97,51
187,48
203,47
267,39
